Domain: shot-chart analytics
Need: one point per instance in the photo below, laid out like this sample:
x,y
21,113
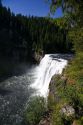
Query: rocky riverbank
x,y
65,101
63,112
63,106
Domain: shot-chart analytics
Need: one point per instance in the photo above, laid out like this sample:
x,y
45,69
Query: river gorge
x,y
15,92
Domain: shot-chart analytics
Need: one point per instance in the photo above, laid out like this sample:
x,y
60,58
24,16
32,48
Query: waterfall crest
x,y
51,64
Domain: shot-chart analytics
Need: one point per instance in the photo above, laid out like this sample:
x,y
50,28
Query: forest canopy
x,y
26,35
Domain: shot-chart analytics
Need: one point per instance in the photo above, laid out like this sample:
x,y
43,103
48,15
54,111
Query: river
x,y
16,91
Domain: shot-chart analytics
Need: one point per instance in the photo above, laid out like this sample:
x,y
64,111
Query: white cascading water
x,y
16,91
48,67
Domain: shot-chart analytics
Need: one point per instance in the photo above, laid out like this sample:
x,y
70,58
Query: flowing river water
x,y
16,91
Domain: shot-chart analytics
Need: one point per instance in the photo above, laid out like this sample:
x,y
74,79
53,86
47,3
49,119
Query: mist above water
x,y
15,92
51,64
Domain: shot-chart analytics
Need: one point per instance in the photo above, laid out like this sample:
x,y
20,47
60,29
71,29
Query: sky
x,y
30,7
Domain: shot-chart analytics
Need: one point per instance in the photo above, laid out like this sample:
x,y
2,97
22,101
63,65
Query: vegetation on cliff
x,y
26,35
66,92
35,110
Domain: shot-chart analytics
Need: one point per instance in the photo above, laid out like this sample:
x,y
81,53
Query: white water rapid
x,y
51,64
16,91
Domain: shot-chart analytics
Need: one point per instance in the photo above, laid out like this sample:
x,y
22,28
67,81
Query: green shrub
x,y
35,110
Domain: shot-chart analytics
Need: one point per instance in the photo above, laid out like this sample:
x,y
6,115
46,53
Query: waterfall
x,y
50,65
16,91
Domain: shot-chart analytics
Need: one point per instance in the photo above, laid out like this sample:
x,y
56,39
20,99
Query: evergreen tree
x,y
25,34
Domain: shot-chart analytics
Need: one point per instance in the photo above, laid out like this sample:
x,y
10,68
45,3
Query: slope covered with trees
x,y
66,97
20,36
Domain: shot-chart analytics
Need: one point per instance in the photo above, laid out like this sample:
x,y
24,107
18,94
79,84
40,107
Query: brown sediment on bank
x,y
46,120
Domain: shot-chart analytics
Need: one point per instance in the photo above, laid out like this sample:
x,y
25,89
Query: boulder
x,y
67,111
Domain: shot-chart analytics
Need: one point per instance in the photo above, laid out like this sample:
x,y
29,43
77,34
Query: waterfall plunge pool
x,y
17,90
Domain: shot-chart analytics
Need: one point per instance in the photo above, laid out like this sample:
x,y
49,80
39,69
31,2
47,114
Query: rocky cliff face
x,y
63,113
37,56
